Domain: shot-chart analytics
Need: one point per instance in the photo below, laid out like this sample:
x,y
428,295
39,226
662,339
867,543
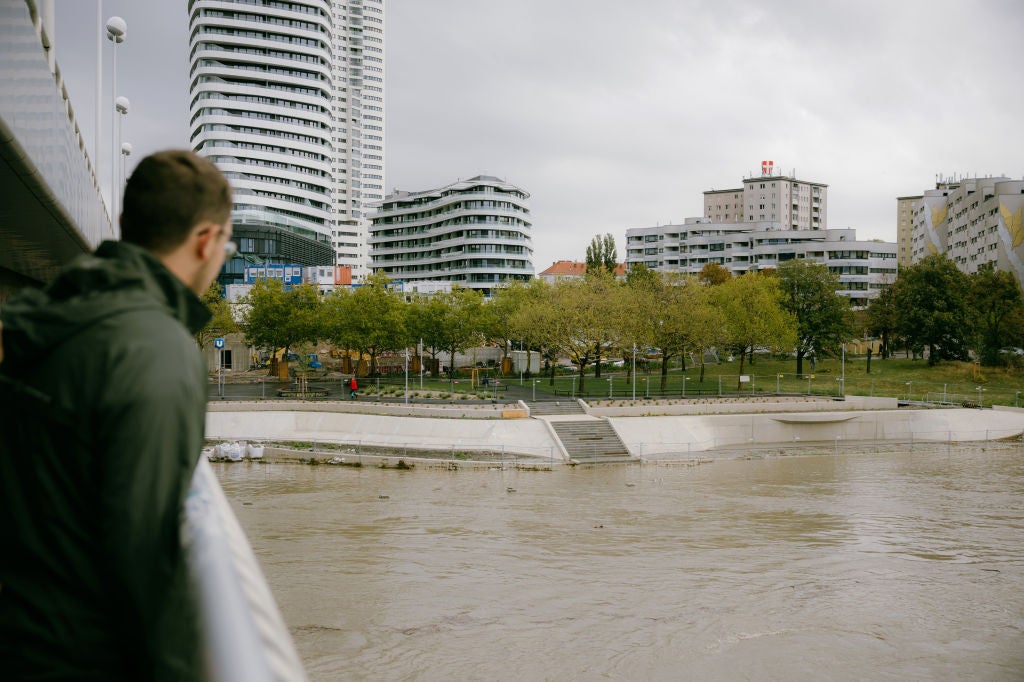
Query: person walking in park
x,y
352,387
102,415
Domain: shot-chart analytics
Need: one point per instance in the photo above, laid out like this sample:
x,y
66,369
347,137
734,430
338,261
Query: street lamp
x,y
634,371
610,380
121,106
842,382
910,390
117,29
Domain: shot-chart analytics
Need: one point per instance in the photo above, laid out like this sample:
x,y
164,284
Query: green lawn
x,y
896,378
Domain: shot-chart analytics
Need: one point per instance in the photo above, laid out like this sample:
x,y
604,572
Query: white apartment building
x,y
796,204
974,222
474,233
287,98
863,267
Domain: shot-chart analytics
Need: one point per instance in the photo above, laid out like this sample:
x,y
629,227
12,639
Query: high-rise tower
x,y
287,98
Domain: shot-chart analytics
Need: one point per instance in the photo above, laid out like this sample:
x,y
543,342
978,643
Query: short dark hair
x,y
168,194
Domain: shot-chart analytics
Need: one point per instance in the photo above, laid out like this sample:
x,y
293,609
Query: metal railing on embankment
x,y
912,441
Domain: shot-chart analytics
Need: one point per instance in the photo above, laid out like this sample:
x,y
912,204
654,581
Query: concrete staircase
x,y
590,441
547,408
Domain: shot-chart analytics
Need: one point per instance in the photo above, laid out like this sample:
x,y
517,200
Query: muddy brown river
x,y
894,566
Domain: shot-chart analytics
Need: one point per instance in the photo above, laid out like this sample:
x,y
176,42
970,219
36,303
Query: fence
x,y
912,441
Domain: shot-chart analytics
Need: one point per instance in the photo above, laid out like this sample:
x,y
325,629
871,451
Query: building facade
x,y
795,204
474,233
975,222
864,268
905,209
287,98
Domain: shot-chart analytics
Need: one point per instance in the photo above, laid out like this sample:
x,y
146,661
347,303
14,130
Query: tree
x,y
883,318
499,315
931,300
221,323
370,319
823,317
574,320
602,255
713,274
754,315
461,322
997,309
278,318
424,322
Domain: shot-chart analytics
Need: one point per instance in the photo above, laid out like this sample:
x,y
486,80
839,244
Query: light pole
x,y
979,397
842,381
126,151
683,395
610,380
99,88
117,29
634,371
535,390
910,390
407,375
1016,399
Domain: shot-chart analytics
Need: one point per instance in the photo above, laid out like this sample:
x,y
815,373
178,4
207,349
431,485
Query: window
x,y
247,245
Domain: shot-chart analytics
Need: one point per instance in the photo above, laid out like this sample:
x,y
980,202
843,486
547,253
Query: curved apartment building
x,y
286,97
474,233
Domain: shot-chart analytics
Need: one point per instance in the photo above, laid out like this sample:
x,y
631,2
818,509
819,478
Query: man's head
x,y
178,205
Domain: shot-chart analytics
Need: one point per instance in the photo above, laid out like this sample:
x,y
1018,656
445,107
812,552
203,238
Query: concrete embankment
x,y
649,431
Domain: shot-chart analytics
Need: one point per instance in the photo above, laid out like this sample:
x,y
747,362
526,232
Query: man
x,y
102,411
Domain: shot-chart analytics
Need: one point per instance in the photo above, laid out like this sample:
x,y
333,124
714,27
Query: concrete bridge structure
x,y
51,206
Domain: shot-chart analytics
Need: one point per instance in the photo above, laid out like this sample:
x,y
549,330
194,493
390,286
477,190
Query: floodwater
x,y
888,566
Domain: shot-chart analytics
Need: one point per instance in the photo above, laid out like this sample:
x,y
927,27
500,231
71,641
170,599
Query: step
x,y
591,441
545,408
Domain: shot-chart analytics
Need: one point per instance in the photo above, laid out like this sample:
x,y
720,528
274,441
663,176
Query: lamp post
x,y
610,380
842,381
117,29
634,371
910,390
126,151
979,397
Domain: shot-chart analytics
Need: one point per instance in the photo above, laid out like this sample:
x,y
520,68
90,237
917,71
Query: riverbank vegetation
x,y
786,330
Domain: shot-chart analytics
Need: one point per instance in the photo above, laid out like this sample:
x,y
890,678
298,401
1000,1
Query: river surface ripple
x,y
888,566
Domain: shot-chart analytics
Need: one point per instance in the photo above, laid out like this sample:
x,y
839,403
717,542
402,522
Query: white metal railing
x,y
245,636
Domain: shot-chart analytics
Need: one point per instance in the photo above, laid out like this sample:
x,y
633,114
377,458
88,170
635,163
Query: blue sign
x,y
218,342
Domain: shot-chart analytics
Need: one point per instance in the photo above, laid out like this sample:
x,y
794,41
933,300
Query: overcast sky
x,y
615,115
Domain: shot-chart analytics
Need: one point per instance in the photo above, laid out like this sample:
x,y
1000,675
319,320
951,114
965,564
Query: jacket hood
x,y
118,278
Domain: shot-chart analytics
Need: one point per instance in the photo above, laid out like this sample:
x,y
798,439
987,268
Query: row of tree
x,y
934,306
590,320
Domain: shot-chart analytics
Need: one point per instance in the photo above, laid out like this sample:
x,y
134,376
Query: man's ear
x,y
205,240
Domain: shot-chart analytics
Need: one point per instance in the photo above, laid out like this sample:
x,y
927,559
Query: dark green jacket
x,y
102,412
